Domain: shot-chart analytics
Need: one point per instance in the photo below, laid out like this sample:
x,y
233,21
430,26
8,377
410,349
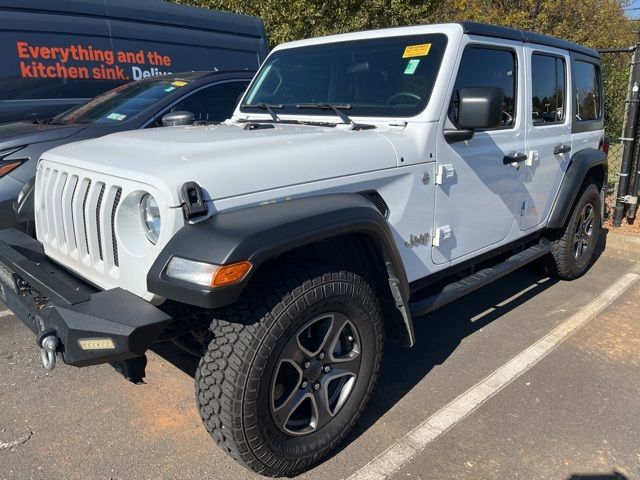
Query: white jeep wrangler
x,y
364,180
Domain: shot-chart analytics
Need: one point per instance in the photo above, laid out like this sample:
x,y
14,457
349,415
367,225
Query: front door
x,y
479,196
548,132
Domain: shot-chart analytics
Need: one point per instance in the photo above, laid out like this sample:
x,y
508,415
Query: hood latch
x,y
193,204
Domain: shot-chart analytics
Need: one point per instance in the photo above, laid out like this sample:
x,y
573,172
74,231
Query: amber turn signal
x,y
227,274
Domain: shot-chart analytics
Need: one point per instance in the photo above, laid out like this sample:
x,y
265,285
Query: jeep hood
x,y
227,160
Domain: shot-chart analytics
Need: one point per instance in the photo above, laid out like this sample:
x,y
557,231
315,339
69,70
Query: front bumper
x,y
51,301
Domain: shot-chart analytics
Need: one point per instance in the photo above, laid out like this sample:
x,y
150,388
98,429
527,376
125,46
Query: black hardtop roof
x,y
147,11
487,30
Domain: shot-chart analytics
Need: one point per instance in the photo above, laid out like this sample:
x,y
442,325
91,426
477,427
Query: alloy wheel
x,y
315,374
584,232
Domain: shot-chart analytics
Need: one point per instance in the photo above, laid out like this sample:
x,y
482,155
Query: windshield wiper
x,y
336,107
268,107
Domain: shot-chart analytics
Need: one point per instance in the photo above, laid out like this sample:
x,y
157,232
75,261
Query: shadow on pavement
x,y
439,334
598,476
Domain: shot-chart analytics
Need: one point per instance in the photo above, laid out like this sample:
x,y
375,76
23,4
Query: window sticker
x,y
116,116
178,83
421,50
169,89
412,66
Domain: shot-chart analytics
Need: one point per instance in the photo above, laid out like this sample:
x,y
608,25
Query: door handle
x,y
560,149
515,158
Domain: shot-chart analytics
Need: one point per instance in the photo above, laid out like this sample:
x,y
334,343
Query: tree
x,y
595,23
287,20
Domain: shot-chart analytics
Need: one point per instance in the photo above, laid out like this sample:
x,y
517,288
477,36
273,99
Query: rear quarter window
x,y
548,87
587,91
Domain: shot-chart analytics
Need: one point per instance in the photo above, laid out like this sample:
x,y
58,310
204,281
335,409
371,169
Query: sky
x,y
634,13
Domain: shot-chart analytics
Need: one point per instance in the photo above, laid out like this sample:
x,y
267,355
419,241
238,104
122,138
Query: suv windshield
x,y
123,102
381,77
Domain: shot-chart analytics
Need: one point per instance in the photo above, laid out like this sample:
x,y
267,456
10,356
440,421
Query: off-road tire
x,y
232,376
561,262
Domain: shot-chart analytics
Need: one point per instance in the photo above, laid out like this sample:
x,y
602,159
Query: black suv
x,y
178,99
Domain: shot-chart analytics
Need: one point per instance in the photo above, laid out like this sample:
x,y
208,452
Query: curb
x,y
621,243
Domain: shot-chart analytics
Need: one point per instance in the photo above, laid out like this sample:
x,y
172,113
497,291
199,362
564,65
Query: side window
x,y
548,84
587,81
213,104
489,67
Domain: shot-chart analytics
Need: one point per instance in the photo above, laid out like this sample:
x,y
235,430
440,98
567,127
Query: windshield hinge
x,y
444,173
441,234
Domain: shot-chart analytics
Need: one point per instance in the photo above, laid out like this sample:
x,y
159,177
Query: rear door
x,y
548,124
478,196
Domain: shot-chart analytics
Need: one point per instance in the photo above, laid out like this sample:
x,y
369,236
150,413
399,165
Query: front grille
x,y
116,201
98,221
76,214
84,214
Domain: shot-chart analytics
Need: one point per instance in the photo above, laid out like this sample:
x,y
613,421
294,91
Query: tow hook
x,y
49,345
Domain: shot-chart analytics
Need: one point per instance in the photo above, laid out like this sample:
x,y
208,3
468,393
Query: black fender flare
x,y
580,165
262,232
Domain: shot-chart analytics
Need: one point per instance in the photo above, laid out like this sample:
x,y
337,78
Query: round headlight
x,y
150,217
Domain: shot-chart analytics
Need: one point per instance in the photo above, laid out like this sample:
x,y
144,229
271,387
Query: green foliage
x,y
287,20
596,23
615,70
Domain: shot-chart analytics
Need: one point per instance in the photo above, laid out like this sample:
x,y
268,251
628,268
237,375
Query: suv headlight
x,y
150,217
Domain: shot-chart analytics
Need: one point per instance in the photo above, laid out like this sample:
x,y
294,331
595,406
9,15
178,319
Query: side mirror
x,y
480,108
174,119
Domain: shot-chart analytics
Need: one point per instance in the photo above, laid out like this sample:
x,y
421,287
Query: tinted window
x,y
376,77
489,67
213,104
587,81
123,102
548,89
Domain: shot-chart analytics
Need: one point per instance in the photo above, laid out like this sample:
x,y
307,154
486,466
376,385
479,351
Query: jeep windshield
x,y
380,77
125,101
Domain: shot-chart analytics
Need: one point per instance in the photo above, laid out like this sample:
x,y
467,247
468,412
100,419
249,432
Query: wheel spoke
x,y
338,322
319,344
283,413
587,224
347,379
293,352
345,366
322,409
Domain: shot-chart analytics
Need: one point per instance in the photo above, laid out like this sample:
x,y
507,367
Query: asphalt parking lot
x,y
571,412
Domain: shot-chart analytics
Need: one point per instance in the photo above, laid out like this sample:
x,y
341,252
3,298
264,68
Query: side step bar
x,y
473,282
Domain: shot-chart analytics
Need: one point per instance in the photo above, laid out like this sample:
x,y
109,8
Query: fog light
x,y
97,344
207,274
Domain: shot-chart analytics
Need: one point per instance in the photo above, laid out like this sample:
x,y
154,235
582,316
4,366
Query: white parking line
x,y
412,443
6,313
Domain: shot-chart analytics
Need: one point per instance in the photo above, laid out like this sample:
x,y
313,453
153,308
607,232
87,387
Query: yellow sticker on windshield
x,y
178,83
421,50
